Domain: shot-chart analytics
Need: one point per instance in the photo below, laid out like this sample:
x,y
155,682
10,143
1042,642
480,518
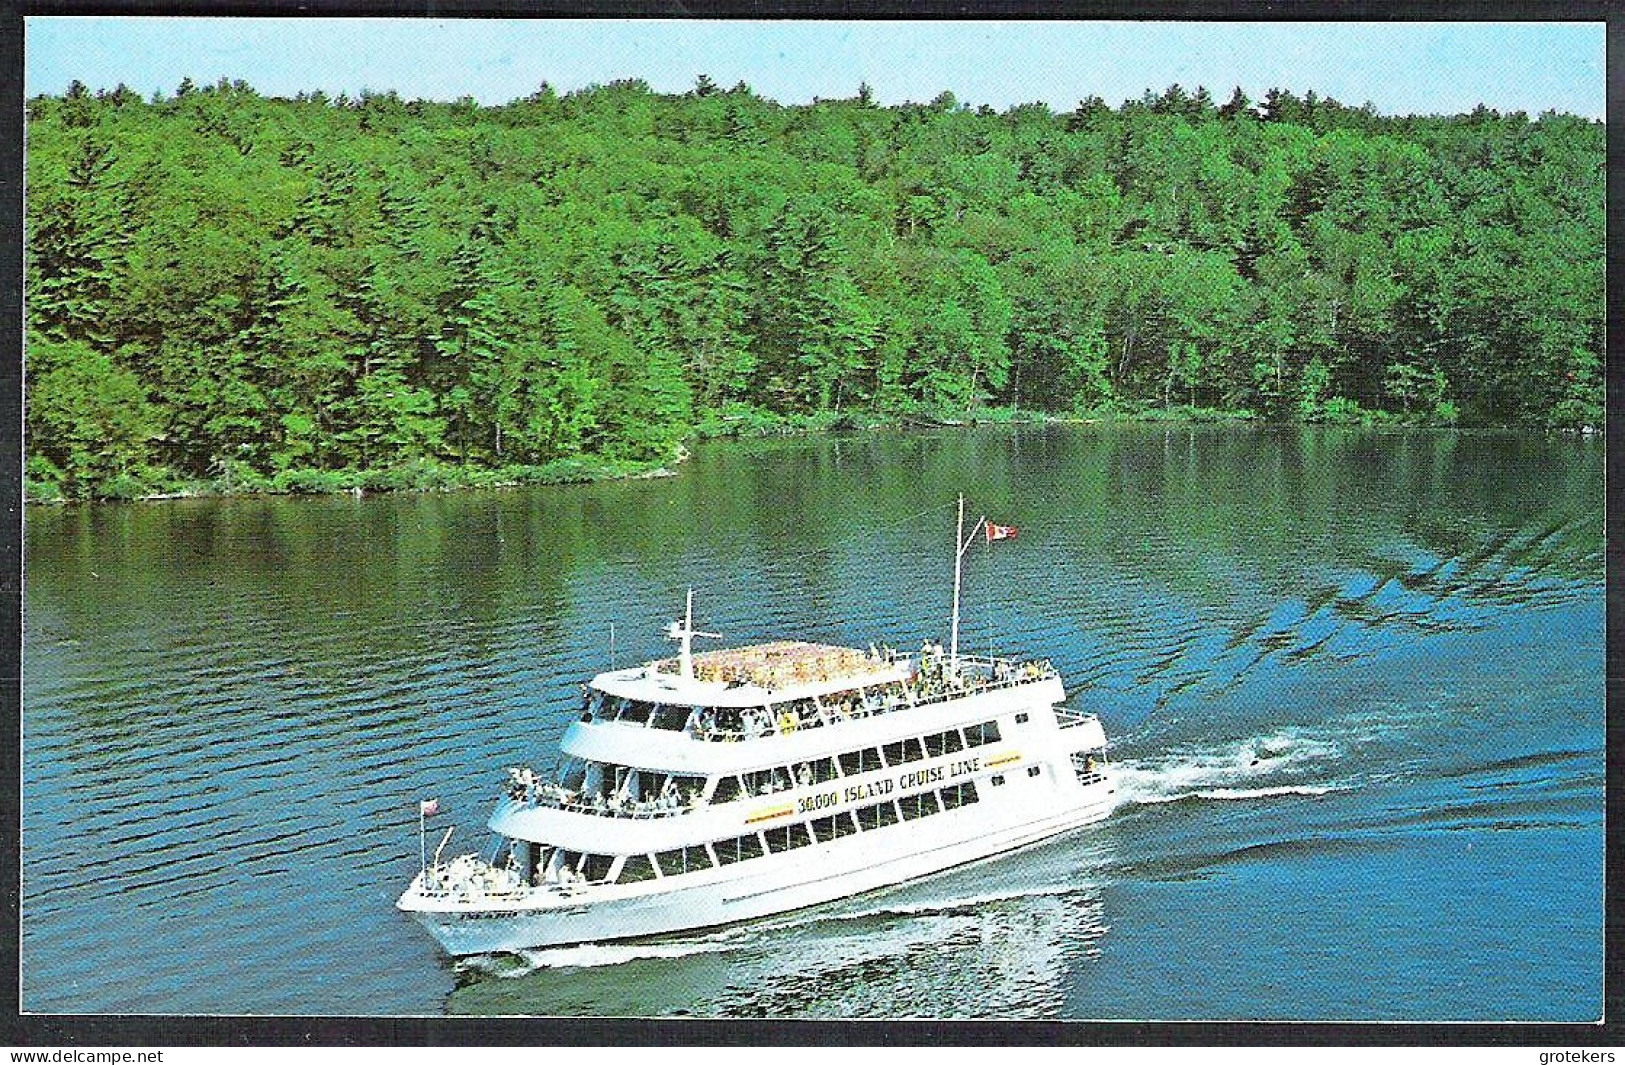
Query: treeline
x,y
243,291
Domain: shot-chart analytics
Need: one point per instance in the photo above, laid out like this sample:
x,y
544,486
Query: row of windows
x,y
751,720
595,867
852,763
670,716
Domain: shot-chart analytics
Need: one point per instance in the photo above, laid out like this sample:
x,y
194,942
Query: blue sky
x,y
1402,68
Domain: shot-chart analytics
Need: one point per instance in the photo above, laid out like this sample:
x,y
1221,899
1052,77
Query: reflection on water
x,y
1312,647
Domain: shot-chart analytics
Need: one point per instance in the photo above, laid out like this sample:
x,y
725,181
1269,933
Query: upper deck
x,y
782,664
785,688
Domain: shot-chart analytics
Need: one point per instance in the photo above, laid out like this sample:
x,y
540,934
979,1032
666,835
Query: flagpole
x,y
961,545
959,555
423,848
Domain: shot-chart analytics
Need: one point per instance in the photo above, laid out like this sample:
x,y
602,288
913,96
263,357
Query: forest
x,y
232,292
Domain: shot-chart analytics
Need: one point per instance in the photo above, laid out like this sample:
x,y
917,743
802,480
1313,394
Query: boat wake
x,y
587,956
906,903
1286,762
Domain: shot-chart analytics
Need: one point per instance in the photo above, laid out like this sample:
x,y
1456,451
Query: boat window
x,y
610,707
1034,770
636,867
1021,719
728,789
787,837
805,711
957,795
933,744
682,860
739,849
919,805
684,789
996,779
951,741
722,721
538,864
767,781
671,717
842,705
902,751
568,860
636,711
977,735
756,721
824,828
864,761
595,867
845,825
817,771
572,773
879,815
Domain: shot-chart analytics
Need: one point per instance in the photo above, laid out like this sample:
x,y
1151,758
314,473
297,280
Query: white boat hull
x,y
761,887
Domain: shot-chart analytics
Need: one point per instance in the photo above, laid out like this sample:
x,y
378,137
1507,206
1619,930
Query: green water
x,y
1353,682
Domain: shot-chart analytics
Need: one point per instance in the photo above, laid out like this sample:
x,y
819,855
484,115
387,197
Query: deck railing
x,y
560,798
931,683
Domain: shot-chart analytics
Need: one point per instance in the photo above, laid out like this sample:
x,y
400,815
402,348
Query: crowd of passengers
x,y
672,795
932,679
572,870
620,791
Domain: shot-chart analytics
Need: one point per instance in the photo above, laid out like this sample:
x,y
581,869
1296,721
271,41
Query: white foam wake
x,y
1245,793
587,956
1260,767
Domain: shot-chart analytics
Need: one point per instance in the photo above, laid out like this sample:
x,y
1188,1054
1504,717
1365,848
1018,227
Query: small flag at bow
x,y
1000,532
428,807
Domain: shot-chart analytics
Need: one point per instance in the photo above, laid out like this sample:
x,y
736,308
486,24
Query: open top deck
x,y
780,664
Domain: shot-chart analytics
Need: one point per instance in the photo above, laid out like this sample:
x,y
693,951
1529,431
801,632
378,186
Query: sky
x,y
1401,68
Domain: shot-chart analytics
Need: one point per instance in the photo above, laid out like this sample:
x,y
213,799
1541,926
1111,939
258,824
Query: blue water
x,y
1354,683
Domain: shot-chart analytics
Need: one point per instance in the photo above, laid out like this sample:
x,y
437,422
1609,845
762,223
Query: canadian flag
x,y
428,807
1000,532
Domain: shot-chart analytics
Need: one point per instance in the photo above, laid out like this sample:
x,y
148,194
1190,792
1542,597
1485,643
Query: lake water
x,y
1354,684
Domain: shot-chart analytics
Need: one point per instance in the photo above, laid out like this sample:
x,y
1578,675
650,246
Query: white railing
x,y
932,683
528,790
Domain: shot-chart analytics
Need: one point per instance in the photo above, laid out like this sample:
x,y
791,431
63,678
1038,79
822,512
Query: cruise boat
x,y
721,786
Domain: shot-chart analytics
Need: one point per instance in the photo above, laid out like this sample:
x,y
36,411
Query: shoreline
x,y
432,476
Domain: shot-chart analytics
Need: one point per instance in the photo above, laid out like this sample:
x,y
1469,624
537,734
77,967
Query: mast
x,y
683,632
961,545
959,557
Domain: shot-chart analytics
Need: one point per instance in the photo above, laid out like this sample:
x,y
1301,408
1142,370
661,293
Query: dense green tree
x,y
227,286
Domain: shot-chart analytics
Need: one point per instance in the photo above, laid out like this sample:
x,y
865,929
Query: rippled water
x,y
1353,680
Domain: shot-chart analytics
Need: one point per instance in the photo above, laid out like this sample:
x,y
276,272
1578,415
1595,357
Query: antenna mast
x,y
683,632
961,545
